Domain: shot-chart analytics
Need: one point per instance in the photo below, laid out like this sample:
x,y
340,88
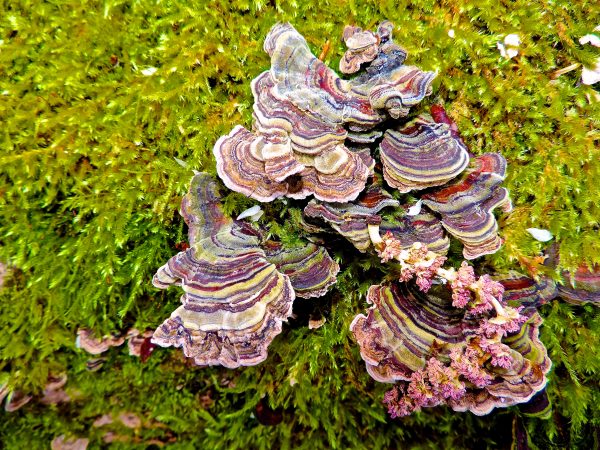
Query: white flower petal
x,y
590,39
254,213
510,48
512,52
512,40
149,71
451,33
591,76
415,209
502,50
539,234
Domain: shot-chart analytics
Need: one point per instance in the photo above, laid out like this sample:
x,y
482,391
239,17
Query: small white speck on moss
x,y
149,71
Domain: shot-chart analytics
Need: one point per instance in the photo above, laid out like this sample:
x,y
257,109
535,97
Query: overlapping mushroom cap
x,y
405,328
310,268
363,47
389,84
399,330
466,205
422,154
86,340
234,299
527,292
300,108
237,289
303,114
351,220
423,227
581,287
312,135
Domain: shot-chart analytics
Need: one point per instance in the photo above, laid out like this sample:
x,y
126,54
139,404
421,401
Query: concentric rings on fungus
x,y
310,268
466,205
303,114
351,220
234,300
406,327
422,154
363,47
527,292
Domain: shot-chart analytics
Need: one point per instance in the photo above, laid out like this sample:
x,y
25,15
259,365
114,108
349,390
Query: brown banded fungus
x,y
583,286
442,335
310,268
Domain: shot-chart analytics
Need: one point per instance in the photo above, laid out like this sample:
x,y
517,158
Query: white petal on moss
x,y
149,71
512,40
254,213
415,209
512,52
540,234
502,50
510,47
451,33
592,39
591,76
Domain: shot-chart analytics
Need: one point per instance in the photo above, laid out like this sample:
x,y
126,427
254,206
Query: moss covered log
x,y
100,102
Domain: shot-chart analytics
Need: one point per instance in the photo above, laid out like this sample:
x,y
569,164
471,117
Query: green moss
x,y
90,193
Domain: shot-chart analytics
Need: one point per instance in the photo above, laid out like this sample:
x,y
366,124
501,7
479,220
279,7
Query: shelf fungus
x,y
581,287
438,353
305,118
352,219
441,335
423,227
86,340
363,47
525,291
390,85
234,299
422,154
466,205
310,268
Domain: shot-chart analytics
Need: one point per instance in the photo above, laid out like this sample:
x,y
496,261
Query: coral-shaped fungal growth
x,y
234,299
439,354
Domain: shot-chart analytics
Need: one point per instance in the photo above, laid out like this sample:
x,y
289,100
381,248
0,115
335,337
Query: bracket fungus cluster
x,y
236,294
440,335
